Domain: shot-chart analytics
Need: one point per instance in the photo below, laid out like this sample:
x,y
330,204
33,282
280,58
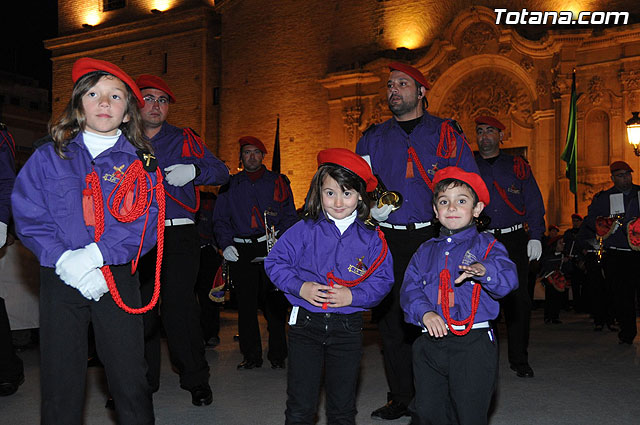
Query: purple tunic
x,y
47,203
311,249
235,215
524,194
168,147
419,292
387,145
7,175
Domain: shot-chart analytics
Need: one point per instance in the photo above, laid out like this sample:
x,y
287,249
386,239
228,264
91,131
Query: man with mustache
x,y
405,152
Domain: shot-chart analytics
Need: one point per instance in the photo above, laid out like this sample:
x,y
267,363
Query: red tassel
x,y
409,173
254,224
185,148
88,210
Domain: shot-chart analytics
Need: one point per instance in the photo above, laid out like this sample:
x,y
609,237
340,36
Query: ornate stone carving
x,y
542,87
453,58
351,117
488,93
596,90
526,64
433,75
476,36
630,80
504,49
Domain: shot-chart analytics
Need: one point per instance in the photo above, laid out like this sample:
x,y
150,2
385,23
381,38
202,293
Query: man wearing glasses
x,y
186,162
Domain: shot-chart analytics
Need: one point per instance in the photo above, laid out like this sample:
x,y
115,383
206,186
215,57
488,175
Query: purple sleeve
x,y
212,170
281,262
222,225
34,224
534,213
501,276
413,299
464,155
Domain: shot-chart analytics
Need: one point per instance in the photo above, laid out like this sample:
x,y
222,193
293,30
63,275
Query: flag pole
x,y
570,152
275,161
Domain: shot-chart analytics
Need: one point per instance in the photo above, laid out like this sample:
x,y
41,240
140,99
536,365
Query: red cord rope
x,y
503,195
333,279
445,288
137,181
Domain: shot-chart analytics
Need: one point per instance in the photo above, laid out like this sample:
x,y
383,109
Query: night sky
x,y
24,25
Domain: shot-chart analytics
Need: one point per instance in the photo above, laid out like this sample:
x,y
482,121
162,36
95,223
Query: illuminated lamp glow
x,y
92,18
161,5
409,38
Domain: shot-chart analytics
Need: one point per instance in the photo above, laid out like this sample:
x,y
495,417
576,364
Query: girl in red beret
x,y
331,267
85,205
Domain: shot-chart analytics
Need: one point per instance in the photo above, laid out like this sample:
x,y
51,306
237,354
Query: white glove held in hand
x,y
180,174
93,285
73,265
3,234
381,214
230,253
534,249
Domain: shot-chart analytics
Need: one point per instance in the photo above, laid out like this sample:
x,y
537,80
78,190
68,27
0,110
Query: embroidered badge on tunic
x,y
116,176
433,169
360,268
513,189
469,259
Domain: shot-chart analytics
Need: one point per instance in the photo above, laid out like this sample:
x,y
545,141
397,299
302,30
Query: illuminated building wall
x,y
320,65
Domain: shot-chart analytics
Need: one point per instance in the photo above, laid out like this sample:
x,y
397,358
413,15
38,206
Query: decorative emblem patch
x,y
513,189
360,268
433,169
116,176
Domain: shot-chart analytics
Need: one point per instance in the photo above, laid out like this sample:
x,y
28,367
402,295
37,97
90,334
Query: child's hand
x,y
315,293
475,269
340,296
434,324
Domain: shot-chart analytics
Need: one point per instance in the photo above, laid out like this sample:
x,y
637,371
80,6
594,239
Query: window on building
x,y
108,5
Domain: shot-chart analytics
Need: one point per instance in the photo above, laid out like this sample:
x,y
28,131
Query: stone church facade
x,y
236,65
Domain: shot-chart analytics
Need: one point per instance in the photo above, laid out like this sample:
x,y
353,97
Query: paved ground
x,y
582,377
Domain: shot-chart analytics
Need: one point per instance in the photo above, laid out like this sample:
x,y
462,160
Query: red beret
x,y
250,140
352,162
490,121
410,71
472,179
576,216
619,165
146,81
84,66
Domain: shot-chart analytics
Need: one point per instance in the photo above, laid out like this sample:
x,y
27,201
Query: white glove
x,y
180,174
73,265
381,214
92,286
3,234
534,249
230,253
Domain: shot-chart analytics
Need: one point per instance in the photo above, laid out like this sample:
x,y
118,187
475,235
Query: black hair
x,y
445,184
347,181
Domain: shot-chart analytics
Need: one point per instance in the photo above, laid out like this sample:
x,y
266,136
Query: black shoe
x,y
250,364
201,395
391,411
613,328
522,370
10,387
110,404
277,364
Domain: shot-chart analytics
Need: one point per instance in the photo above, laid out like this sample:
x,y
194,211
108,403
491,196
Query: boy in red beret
x,y
450,289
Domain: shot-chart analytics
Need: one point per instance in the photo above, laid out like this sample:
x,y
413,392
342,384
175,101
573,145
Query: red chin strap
x,y
135,181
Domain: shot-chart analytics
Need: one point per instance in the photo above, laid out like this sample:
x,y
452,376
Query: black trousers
x,y
599,292
255,291
397,335
326,342
517,304
619,272
552,301
11,368
210,261
455,377
64,321
178,309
